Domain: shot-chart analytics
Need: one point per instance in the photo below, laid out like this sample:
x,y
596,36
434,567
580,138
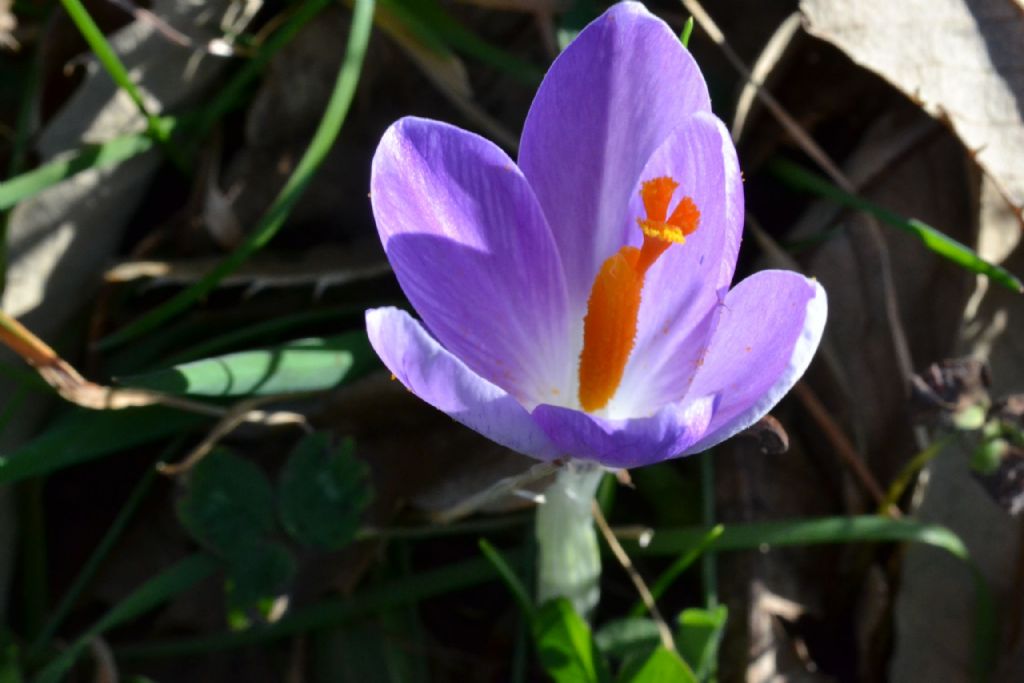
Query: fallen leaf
x,y
963,62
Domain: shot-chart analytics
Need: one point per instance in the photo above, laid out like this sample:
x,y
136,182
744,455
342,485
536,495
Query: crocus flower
x,y
576,303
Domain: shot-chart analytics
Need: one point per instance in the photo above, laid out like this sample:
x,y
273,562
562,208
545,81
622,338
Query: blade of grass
x,y
708,566
92,565
232,94
109,153
327,613
681,564
151,594
508,575
948,248
112,64
847,530
271,222
432,23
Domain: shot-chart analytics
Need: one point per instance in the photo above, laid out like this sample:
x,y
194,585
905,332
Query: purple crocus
x,y
576,303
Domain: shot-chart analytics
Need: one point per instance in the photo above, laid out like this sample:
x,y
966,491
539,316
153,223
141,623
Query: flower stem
x,y
568,559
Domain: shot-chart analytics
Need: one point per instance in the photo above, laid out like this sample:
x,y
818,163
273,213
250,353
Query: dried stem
x,y
664,632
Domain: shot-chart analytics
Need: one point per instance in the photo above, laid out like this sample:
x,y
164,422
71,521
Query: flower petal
x,y
770,328
632,442
473,253
607,102
443,381
686,283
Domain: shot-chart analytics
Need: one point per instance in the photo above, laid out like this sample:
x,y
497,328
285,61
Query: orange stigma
x,y
609,328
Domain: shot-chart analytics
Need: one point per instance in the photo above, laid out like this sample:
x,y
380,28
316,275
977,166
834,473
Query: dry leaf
x,y
963,61
8,22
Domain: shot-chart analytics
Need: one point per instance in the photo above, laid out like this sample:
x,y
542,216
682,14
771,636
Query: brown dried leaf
x,y
8,22
962,61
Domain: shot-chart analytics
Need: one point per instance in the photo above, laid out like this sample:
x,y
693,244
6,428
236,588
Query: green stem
x,y
568,557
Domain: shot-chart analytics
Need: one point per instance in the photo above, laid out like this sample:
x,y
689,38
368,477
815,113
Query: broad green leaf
x,y
323,492
151,594
565,645
698,636
303,365
661,666
627,636
82,435
256,574
934,240
228,505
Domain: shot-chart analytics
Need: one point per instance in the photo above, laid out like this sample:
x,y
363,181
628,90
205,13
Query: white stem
x,y
569,562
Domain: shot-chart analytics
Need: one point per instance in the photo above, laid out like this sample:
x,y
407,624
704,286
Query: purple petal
x,y
473,253
632,442
606,104
685,284
443,381
770,328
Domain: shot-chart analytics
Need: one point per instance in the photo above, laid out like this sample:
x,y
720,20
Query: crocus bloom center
x,y
610,325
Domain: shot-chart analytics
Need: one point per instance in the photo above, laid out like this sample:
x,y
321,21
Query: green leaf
x,y
153,593
662,666
304,365
256,574
565,645
323,492
109,153
82,435
939,243
629,636
229,504
698,637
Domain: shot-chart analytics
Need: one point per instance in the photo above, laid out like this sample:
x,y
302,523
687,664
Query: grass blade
x,y
112,63
328,613
948,248
109,153
271,222
154,592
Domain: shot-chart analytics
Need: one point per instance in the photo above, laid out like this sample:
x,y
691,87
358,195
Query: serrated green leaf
x,y
303,365
229,504
627,636
661,666
698,636
82,435
565,645
256,574
323,492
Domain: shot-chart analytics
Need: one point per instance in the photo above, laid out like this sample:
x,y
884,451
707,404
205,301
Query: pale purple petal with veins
x,y
474,254
607,102
444,381
771,325
684,286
